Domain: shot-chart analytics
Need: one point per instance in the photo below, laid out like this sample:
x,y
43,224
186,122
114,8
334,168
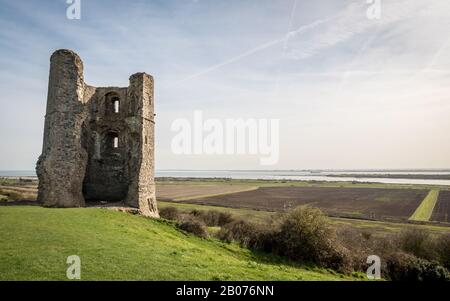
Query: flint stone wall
x,y
90,151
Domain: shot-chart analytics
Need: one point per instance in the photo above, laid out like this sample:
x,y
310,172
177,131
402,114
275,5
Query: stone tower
x,y
98,141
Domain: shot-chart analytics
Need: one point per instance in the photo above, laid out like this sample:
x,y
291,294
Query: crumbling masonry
x,y
98,142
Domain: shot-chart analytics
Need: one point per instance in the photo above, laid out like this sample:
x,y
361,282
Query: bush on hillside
x,y
443,250
239,231
213,218
358,243
418,243
170,213
250,235
407,267
305,235
193,226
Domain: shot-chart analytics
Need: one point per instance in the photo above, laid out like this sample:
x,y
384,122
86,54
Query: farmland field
x,y
441,211
375,203
175,191
259,199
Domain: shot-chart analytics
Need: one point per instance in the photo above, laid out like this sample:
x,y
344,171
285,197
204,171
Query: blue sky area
x,y
349,91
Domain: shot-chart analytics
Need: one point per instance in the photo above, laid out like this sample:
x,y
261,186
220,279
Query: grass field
x,y
35,243
425,209
374,203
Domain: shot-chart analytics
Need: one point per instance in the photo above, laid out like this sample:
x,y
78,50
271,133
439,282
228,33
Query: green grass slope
x,y
35,243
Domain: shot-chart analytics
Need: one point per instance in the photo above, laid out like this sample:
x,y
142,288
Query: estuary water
x,y
308,175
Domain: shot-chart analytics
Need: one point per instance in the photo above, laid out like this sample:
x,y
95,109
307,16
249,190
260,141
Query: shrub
x,y
170,213
411,255
366,235
407,267
194,226
12,195
358,243
304,231
417,242
195,212
266,240
221,218
443,250
239,231
213,218
250,235
305,235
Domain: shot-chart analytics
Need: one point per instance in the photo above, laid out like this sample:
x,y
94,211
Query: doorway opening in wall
x,y
106,181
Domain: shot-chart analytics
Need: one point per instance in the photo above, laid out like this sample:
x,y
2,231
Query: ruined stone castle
x,y
98,141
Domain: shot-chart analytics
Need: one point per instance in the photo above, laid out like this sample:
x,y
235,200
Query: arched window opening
x,y
110,144
116,105
112,103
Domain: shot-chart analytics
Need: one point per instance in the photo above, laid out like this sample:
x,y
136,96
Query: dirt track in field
x,y
441,212
353,202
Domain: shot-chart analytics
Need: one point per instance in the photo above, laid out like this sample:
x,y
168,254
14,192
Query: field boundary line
x,y
425,209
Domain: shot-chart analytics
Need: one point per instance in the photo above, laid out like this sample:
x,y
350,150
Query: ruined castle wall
x,y
141,192
107,175
61,167
98,141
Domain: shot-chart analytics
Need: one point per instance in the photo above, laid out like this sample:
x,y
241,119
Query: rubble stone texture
x,y
98,141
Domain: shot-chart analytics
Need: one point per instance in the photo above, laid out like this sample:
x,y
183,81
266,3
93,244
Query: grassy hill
x,y
35,243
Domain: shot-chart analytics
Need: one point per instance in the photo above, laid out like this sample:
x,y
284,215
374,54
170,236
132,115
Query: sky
x,y
350,91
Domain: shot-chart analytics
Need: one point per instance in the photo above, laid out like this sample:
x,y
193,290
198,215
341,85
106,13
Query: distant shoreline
x,y
396,176
423,177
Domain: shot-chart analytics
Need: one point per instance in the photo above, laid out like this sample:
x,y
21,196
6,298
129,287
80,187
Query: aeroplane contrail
x,y
286,37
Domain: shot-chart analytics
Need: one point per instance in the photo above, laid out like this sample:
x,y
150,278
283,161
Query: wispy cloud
x,y
289,35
